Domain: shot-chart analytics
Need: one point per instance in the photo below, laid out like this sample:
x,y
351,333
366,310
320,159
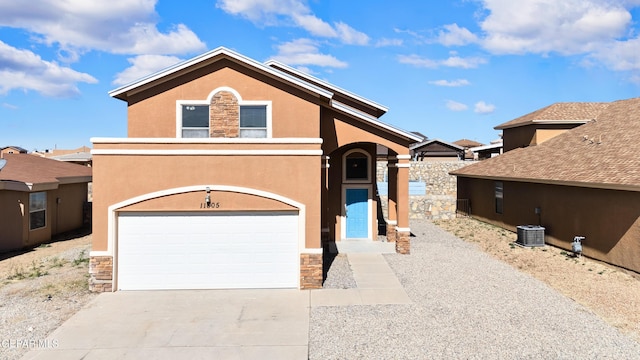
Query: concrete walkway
x,y
377,284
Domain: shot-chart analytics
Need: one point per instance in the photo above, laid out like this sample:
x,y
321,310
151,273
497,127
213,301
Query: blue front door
x,y
357,213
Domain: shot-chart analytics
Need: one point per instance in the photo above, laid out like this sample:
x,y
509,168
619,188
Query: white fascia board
x,y
370,119
485,147
544,122
104,140
211,54
75,179
359,98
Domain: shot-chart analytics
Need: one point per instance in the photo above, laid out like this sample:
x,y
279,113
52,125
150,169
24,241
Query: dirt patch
x,y
611,293
40,289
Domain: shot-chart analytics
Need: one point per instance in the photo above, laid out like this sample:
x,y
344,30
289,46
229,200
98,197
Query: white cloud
x,y
144,65
305,52
452,61
456,106
351,36
115,26
452,83
9,106
292,13
620,55
389,42
483,108
543,26
455,35
22,69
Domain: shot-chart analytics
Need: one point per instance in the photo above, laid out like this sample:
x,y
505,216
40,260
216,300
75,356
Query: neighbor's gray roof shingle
x,y
36,170
597,154
580,112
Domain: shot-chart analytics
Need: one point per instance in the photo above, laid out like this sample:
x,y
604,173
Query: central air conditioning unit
x,y
530,235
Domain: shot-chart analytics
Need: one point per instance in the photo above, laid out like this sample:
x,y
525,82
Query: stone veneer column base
x,y
310,271
101,274
391,233
403,243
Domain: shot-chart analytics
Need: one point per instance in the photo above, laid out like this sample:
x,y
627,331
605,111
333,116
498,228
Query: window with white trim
x,y
254,120
37,210
356,166
195,121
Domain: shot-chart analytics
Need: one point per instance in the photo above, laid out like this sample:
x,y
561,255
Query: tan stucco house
x,y
39,198
236,174
584,181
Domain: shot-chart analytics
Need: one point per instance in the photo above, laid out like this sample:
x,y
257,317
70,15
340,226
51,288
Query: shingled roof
x,y
466,143
597,154
559,113
25,172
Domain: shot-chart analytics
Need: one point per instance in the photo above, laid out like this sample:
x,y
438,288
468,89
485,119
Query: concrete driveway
x,y
204,324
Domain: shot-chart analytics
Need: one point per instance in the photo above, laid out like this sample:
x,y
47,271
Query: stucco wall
x,y
439,200
13,204
153,114
277,174
610,219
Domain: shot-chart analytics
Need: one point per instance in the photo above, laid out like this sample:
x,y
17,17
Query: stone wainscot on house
x,y
584,181
39,198
235,174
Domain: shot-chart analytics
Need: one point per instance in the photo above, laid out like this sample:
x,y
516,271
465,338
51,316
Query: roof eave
x,y
373,121
274,63
168,73
604,186
542,122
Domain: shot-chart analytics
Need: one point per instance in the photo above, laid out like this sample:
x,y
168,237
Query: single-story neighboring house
x,y
237,174
12,150
39,198
582,182
436,150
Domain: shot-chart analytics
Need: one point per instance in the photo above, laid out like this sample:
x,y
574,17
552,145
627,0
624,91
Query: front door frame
x,y
343,216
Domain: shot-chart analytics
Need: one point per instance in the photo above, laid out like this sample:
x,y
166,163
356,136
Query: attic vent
x,y
530,235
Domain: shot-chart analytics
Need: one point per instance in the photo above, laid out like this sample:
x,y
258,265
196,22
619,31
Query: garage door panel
x,y
204,251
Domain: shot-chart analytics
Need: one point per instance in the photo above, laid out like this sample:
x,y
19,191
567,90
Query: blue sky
x,y
448,69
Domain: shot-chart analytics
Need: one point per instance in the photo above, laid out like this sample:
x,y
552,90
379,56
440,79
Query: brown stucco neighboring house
x,y
543,124
39,198
236,174
585,181
12,150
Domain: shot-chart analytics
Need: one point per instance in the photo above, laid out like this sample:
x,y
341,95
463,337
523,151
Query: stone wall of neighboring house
x,y
439,198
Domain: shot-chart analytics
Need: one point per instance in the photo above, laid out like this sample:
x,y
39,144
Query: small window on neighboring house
x,y
195,121
253,121
37,210
499,194
356,166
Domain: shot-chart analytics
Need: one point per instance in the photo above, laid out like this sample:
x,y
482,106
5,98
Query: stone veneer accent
x,y
439,201
224,112
310,271
391,232
403,243
101,274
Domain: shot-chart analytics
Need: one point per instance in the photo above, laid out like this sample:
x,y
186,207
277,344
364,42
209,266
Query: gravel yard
x,y
467,305
39,290
475,299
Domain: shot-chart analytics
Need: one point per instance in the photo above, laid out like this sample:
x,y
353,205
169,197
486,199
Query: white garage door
x,y
207,251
